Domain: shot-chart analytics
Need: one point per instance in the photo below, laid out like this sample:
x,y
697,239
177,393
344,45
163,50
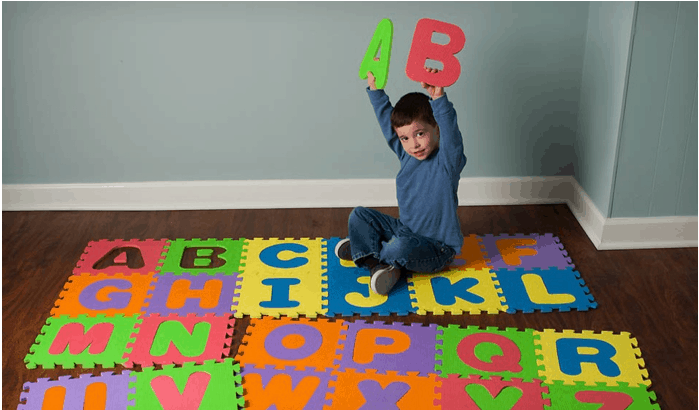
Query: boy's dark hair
x,y
412,107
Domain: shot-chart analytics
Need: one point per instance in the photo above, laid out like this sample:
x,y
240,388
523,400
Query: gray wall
x,y
657,166
637,125
607,52
126,92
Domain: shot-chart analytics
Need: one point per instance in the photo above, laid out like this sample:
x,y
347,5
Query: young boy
x,y
425,136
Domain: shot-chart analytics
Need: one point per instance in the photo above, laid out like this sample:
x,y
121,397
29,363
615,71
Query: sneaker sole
x,y
337,247
383,282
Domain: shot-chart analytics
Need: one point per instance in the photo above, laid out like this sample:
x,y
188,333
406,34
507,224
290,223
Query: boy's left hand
x,y
434,91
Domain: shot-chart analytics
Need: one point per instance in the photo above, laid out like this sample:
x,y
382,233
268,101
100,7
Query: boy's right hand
x,y
371,80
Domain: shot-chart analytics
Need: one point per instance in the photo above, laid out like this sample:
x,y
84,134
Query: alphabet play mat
x,y
169,306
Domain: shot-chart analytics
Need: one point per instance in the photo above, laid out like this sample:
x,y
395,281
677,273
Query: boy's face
x,y
419,139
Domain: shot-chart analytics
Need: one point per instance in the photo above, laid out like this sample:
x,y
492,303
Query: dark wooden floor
x,y
650,293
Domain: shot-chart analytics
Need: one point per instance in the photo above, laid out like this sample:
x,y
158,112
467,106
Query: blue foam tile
x,y
556,282
349,293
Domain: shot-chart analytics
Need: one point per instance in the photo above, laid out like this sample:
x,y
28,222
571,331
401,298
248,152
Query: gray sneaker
x,y
343,250
384,278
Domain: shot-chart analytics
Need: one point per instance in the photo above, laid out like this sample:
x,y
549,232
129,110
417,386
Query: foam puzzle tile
x,y
180,339
382,391
281,294
284,342
457,291
472,256
508,353
474,392
208,386
582,397
285,389
292,257
199,294
283,277
389,347
203,256
121,256
108,391
533,289
110,295
525,251
349,292
591,357
83,340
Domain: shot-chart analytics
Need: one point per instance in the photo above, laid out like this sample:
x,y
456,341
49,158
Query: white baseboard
x,y
192,195
631,233
266,194
646,233
514,191
605,233
587,214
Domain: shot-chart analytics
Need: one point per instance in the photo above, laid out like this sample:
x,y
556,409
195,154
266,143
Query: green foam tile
x,y
563,396
211,385
451,363
228,251
82,340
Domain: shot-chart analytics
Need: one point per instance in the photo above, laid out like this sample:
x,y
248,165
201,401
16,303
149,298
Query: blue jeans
x,y
372,233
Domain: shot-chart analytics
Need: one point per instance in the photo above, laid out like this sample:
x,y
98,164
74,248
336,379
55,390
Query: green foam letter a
x,y
382,40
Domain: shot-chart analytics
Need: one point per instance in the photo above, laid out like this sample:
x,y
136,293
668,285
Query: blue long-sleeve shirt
x,y
427,189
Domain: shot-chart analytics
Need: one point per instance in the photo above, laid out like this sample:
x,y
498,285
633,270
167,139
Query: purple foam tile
x,y
543,251
228,285
118,391
317,400
389,347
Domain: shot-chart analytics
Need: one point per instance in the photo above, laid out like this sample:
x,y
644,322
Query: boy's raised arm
x,y
383,109
451,142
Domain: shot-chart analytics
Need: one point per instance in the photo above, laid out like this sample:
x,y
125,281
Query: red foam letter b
x,y
423,49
